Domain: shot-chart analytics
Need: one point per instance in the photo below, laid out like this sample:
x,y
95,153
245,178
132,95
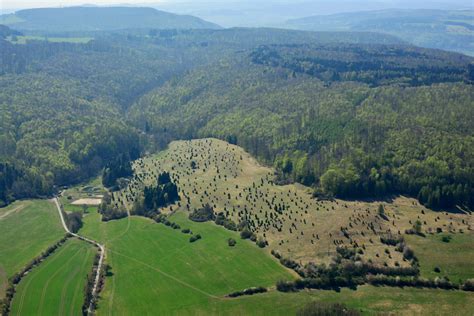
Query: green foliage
x,y
120,167
110,210
163,194
353,120
194,238
348,139
203,214
231,242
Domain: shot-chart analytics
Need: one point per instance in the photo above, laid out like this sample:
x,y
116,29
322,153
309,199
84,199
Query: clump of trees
x,y
74,221
164,193
203,214
249,291
110,211
226,222
120,167
90,298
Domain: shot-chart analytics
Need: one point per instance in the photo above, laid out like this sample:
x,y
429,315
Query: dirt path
x,y
16,209
101,248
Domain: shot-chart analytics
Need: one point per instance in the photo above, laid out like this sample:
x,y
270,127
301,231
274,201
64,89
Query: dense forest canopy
x,y
354,116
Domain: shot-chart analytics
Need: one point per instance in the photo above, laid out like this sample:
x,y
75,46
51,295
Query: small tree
x,y
231,242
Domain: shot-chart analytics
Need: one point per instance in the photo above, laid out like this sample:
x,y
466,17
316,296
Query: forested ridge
x,y
368,131
353,116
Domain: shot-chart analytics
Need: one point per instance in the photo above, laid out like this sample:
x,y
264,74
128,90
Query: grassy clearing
x,y
24,39
56,286
27,228
156,268
454,258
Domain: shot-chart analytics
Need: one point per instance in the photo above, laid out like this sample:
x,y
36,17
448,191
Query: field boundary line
x,y
95,243
168,276
70,278
71,310
45,287
22,297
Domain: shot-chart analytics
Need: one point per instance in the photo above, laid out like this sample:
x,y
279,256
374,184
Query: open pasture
x,y
27,228
288,217
454,256
56,286
155,267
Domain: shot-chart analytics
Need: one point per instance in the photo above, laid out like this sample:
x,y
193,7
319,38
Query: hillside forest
x,y
363,116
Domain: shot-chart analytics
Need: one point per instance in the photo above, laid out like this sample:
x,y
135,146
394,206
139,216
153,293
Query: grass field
x,y
56,286
367,299
26,229
23,39
156,268
454,258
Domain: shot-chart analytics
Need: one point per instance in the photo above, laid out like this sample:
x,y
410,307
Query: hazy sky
x,y
9,4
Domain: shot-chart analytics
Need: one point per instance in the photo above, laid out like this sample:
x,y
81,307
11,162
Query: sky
x,y
21,4
230,13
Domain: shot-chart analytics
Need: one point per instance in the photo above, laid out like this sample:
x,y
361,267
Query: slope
x,y
97,18
443,29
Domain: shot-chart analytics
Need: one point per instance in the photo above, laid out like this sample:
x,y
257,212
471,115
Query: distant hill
x,y
100,19
6,31
448,30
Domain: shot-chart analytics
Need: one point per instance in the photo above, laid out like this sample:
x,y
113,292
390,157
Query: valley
x,y
153,163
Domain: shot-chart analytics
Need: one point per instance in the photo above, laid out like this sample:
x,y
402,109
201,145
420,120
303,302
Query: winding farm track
x,y
16,209
100,246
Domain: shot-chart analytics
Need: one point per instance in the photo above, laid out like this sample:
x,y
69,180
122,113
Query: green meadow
x,y
454,258
368,300
155,267
56,286
27,228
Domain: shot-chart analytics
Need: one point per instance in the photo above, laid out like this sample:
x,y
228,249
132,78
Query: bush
x,y
194,238
203,214
285,286
186,231
250,291
246,234
446,239
468,285
231,242
437,270
261,242
408,253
